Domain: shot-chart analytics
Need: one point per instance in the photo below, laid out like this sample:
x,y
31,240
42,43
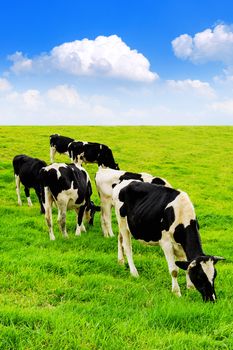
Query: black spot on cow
x,y
130,176
158,181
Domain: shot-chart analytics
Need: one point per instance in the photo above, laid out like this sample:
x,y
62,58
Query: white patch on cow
x,y
183,210
69,197
208,268
56,167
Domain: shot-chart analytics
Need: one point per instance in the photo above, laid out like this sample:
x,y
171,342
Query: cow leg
x,y
48,213
189,283
39,195
62,219
166,244
127,246
17,186
52,153
27,194
80,226
106,217
121,259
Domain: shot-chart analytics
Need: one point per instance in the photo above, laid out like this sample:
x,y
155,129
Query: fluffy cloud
x,y
64,94
225,106
210,45
4,85
196,86
104,56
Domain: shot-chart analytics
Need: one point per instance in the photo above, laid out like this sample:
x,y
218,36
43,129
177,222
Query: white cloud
x,y
104,56
4,85
198,87
20,63
225,106
64,94
209,45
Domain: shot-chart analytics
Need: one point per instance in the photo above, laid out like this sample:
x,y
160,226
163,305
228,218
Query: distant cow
x,y
158,214
26,170
69,186
91,152
105,180
59,144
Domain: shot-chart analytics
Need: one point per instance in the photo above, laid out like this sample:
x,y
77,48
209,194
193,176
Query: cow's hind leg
x,y
17,187
166,245
62,219
106,217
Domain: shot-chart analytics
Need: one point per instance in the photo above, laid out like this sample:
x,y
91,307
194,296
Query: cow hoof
x,y
20,204
134,273
190,286
121,261
52,238
177,293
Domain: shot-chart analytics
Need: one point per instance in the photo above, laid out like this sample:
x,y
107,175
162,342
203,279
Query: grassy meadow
x,y
72,294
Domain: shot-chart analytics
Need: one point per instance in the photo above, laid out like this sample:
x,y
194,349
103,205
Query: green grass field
x,y
72,294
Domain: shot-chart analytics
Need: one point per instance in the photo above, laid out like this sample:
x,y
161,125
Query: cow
x,y
59,144
163,215
105,180
92,152
69,186
27,171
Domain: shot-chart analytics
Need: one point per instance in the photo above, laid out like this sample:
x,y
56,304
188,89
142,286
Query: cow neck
x,y
192,244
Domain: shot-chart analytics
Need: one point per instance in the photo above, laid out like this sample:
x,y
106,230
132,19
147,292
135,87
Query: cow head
x,y
202,274
90,211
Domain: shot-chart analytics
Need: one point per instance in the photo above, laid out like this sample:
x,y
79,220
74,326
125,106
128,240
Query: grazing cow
x,y
90,152
27,171
69,186
158,214
105,180
59,144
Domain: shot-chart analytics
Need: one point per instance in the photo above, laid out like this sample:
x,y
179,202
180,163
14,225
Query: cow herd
x,y
146,207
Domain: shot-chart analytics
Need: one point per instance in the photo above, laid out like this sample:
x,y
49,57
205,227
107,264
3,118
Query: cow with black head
x,y
92,152
163,215
69,186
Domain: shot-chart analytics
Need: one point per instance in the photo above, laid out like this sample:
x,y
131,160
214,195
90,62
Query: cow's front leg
x,y
52,153
189,283
127,246
79,227
121,259
166,245
48,212
17,187
27,194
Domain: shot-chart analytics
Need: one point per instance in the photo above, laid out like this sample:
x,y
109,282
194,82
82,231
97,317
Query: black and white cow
x,y
27,171
91,152
59,144
158,214
69,186
105,180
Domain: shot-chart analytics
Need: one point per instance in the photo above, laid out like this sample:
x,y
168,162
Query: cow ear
x,y
182,264
217,258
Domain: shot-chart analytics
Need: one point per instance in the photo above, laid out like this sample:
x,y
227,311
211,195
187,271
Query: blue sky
x,y
116,62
